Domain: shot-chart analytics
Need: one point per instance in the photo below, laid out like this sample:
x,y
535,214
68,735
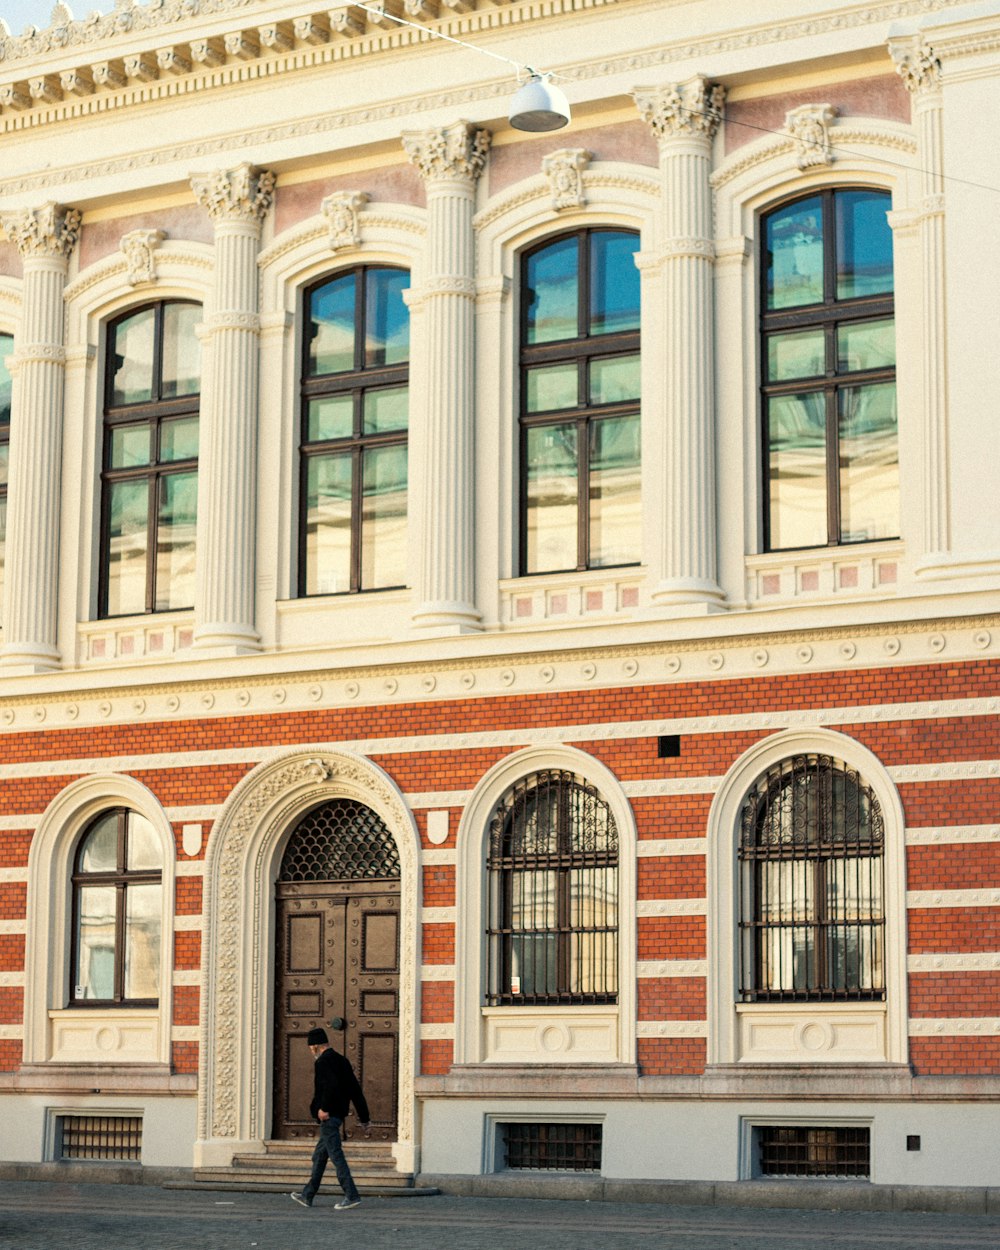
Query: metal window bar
x,y
116,1138
340,841
812,922
552,934
807,1151
552,1147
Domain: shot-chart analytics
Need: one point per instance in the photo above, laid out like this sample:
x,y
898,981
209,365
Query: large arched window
x,y
812,918
150,479
828,369
117,912
580,403
552,928
6,348
355,414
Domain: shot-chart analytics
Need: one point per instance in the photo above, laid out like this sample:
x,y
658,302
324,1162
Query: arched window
x,y
355,413
580,403
552,929
150,479
117,912
6,348
812,920
828,370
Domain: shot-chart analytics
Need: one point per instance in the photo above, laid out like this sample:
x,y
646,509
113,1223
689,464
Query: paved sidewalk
x,y
34,1216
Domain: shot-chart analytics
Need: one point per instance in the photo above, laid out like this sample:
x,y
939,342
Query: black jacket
x,y
337,1087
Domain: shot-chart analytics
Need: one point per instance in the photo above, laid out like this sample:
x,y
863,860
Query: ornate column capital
x,y
916,63
680,110
241,194
50,231
448,152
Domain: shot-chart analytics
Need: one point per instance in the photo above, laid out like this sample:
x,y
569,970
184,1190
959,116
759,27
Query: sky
x,y
20,13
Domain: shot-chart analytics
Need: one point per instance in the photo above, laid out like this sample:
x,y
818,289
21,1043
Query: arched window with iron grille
x,y
812,924
341,841
552,933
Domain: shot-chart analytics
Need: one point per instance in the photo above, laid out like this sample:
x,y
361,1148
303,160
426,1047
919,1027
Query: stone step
x,y
222,1181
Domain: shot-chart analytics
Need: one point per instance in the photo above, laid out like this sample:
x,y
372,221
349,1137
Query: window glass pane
x,y
797,355
614,282
329,418
614,380
796,427
330,326
388,318
533,944
129,446
131,359
175,541
142,846
386,410
615,516
551,468
795,254
3,540
179,439
866,345
551,387
328,525
383,518
99,852
142,941
869,463
6,349
4,462
551,297
593,909
95,942
181,366
864,244
128,525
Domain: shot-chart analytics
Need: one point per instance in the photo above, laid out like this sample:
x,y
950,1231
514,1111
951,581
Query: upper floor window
x,y
552,929
811,854
580,403
150,479
6,348
355,413
828,369
117,911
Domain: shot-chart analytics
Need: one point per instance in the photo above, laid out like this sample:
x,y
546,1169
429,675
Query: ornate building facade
x,y
528,602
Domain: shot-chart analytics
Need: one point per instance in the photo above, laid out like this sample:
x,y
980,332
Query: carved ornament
x,y
241,194
341,211
51,230
809,126
564,170
139,248
682,109
917,64
456,151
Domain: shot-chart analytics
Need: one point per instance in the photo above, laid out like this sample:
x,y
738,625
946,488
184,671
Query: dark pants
x,y
329,1147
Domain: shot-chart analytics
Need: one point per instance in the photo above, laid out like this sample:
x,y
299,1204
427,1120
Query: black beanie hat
x,y
317,1037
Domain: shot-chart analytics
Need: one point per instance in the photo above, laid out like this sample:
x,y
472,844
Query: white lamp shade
x,y
539,106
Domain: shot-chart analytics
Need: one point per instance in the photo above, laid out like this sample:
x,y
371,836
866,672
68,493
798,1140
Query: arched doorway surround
x,y
244,853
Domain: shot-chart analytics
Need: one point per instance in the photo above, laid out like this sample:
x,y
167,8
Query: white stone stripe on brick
x,y
11,978
18,824
13,874
187,976
438,915
962,962
671,1028
437,798
204,814
190,868
953,898
184,1033
13,926
188,924
963,1026
446,857
952,833
669,786
437,972
672,907
960,770
655,848
437,1032
656,969
11,1032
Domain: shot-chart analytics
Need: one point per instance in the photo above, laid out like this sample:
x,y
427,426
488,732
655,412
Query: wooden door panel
x,y
378,1057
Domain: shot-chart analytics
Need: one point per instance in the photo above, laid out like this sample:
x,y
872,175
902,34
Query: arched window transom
x,y
340,841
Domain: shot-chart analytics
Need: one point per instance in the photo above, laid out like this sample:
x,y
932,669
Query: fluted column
x,y
920,70
45,237
237,200
684,119
450,161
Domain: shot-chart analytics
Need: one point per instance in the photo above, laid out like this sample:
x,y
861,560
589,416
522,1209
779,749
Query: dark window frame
x,y
828,316
582,349
151,414
121,879
356,382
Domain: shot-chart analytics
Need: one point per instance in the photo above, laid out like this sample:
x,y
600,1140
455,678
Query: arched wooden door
x,y
337,962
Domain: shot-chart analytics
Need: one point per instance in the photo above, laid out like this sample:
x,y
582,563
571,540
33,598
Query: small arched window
x,y
579,420
150,479
117,912
355,416
812,920
552,932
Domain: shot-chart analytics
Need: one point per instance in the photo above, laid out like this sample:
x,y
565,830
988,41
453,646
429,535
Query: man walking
x,y
336,1088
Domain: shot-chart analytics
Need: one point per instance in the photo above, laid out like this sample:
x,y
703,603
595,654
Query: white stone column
x,y
684,119
450,161
920,70
45,237
237,200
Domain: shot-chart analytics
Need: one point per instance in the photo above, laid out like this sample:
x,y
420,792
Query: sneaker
x,y
301,1199
345,1204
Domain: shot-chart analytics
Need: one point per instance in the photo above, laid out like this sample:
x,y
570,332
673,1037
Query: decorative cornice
x,y
49,231
680,110
598,177
564,170
448,152
243,194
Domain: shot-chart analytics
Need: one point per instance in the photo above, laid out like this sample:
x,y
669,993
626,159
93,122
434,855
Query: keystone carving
x,y
678,109
139,248
456,151
809,126
564,170
341,211
241,194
